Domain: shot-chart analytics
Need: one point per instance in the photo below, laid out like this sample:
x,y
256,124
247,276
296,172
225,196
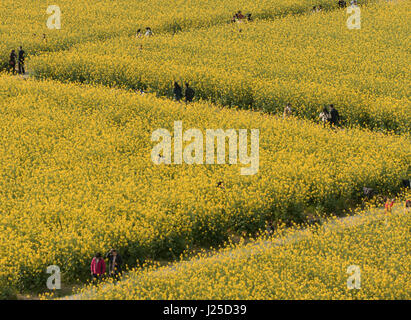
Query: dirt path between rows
x,y
259,246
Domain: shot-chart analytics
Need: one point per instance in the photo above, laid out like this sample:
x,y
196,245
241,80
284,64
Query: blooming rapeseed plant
x,y
77,176
310,60
291,265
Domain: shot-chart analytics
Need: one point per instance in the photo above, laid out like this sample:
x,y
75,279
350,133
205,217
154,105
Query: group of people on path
x,y
343,3
98,265
43,37
389,204
178,92
340,3
317,8
17,60
147,33
288,111
327,116
239,17
330,116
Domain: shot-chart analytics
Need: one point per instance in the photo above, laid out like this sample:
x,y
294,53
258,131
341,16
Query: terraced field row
x,y
311,61
294,264
23,22
77,176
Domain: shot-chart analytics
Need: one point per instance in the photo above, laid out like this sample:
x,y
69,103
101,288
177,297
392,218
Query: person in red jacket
x,y
98,267
388,205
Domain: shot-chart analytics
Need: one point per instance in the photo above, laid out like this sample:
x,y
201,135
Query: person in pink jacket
x,y
98,267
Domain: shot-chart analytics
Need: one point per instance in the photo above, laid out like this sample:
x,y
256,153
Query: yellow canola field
x,y
294,264
77,177
23,22
311,61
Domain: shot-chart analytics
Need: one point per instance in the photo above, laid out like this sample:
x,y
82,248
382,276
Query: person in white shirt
x,y
149,32
325,116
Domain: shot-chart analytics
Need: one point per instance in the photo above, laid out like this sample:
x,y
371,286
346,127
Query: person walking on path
x,y
189,94
269,229
97,267
178,92
220,185
21,61
325,116
240,16
12,62
407,206
342,3
288,112
388,205
149,32
388,209
114,263
335,116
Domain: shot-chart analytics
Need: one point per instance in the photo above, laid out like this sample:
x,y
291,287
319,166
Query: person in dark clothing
x,y
21,61
220,184
335,117
270,229
189,94
12,62
368,192
178,92
114,263
342,4
240,15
